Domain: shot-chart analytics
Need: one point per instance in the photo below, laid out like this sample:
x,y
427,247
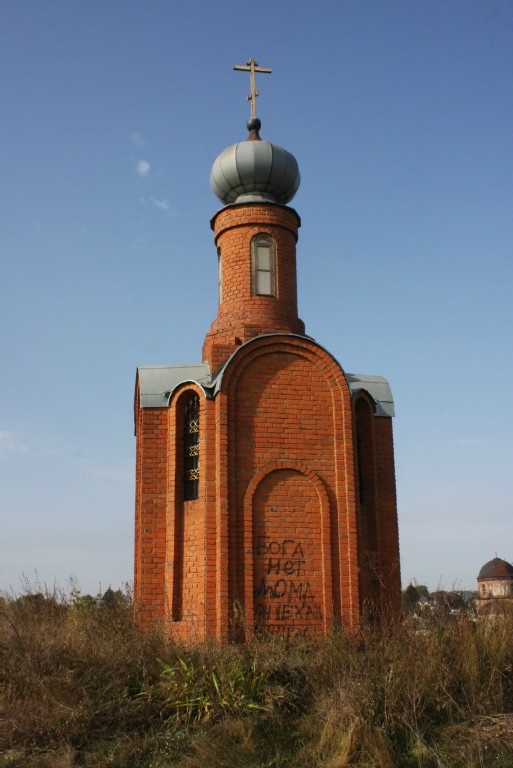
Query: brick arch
x,y
257,229
363,394
299,345
369,548
271,466
335,468
186,385
175,434
320,618
183,516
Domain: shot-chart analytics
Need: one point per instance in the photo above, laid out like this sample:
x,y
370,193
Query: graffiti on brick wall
x,y
284,598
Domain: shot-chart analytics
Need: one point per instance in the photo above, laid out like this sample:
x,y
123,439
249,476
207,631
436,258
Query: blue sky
x,y
400,116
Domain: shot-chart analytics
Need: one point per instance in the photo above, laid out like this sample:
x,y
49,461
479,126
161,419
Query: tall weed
x,y
85,686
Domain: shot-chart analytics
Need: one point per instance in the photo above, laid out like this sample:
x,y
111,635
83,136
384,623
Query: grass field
x,y
83,686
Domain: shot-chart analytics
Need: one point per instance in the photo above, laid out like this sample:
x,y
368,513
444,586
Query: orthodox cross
x,y
252,67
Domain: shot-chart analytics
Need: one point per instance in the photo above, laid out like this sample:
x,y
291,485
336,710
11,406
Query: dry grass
x,y
85,687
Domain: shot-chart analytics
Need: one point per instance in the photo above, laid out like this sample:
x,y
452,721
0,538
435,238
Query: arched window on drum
x,y
263,266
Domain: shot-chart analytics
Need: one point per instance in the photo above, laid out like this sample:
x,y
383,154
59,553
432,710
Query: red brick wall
x,y
378,542
186,524
387,514
150,515
278,536
242,316
289,402
368,518
288,568
279,482
185,521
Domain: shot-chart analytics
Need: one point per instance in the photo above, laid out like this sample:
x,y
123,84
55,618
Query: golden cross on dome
x,y
252,67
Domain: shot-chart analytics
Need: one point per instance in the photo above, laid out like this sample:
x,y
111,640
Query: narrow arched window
x,y
366,485
220,275
191,448
366,479
263,266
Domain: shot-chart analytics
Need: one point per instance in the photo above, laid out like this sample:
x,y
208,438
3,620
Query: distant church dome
x,y
496,569
255,171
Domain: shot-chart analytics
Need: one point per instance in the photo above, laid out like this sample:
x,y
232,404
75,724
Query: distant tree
x,y
112,598
412,594
80,602
410,598
36,600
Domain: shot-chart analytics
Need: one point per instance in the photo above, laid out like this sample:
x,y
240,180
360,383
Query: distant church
x,y
495,588
265,484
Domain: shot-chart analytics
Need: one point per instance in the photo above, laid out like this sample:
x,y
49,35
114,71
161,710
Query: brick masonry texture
x,y
242,316
295,525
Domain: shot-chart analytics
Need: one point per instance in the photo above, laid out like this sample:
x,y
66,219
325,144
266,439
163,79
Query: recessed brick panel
x,y
287,560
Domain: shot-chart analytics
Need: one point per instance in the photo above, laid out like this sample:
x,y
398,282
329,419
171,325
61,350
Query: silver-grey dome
x,y
255,171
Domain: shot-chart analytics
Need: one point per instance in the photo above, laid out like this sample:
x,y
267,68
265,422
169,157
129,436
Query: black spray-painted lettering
x,y
289,547
290,567
284,600
293,590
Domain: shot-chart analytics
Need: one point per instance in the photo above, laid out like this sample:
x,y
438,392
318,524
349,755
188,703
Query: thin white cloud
x,y
137,139
162,204
10,443
142,168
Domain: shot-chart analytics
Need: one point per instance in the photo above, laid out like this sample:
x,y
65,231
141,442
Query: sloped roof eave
x,y
158,382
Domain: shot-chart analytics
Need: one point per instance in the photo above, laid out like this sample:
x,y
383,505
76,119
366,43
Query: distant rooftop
x,y
496,569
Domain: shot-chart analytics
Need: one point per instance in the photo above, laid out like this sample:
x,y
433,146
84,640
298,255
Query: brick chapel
x,y
265,483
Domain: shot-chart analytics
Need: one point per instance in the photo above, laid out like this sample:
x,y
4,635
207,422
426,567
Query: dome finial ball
x,y
254,124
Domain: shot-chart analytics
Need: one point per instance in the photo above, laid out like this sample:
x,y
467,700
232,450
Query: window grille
x,y
263,266
191,448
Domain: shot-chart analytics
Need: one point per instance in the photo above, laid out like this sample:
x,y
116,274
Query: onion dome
x,y
496,569
255,171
